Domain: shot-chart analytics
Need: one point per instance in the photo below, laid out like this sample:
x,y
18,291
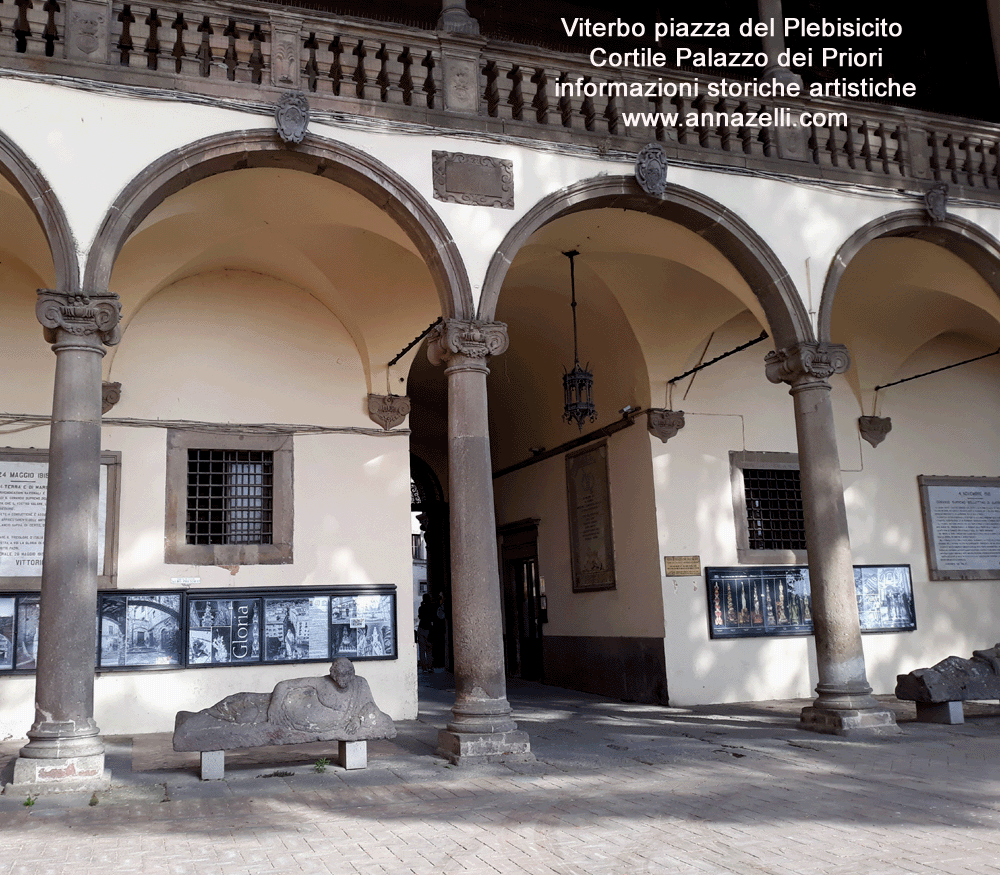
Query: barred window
x,y
230,497
774,509
767,508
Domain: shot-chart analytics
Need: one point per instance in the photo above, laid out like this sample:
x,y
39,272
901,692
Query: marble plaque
x,y
592,548
962,526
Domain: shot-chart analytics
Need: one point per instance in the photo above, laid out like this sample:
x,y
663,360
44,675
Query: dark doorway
x,y
523,613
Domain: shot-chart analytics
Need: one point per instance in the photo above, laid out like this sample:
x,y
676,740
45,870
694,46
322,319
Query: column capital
x,y
87,316
810,361
475,340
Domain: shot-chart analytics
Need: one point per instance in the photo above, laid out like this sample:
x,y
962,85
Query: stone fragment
x,y
954,679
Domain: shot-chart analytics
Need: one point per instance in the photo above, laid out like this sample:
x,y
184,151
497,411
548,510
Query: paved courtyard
x,y
615,788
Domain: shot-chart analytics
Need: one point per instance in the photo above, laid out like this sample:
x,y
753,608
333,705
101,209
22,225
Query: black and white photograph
x,y
223,631
140,630
885,598
363,626
6,633
26,636
295,629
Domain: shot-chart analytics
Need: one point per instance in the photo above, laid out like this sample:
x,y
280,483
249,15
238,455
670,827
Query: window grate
x,y
774,509
230,497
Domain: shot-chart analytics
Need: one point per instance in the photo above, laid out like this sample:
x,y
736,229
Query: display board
x,y
163,629
746,602
961,526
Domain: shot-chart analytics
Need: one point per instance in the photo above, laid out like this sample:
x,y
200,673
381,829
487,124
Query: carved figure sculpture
x,y
336,707
954,679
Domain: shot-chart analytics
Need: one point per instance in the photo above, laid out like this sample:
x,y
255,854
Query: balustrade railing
x,y
352,65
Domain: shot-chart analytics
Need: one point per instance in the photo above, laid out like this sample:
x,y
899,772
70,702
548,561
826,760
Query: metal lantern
x,y
578,384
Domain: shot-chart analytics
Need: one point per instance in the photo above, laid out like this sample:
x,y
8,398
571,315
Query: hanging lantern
x,y
578,384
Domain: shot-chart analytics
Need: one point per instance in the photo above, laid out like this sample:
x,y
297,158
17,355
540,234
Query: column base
x,y
30,777
472,748
850,722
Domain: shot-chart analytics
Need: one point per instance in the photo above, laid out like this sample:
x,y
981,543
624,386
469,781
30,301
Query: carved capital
x,y
806,361
874,428
111,394
83,315
388,410
665,423
473,340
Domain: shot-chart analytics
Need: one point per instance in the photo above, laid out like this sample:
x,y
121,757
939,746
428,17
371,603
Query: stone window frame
x,y
738,461
177,551
111,462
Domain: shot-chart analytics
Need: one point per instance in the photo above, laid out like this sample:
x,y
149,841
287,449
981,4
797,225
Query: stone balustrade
x,y
248,50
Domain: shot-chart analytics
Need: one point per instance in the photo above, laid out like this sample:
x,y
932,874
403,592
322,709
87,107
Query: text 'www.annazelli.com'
x,y
776,118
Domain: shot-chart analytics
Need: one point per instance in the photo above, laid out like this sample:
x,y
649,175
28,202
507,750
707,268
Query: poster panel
x,y
363,626
26,633
745,602
7,605
223,631
140,630
296,629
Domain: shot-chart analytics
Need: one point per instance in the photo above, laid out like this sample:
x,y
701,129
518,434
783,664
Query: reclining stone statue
x,y
940,690
334,708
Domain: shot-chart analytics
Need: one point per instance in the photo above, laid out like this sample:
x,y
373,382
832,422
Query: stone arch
x,y
962,238
261,149
749,254
28,181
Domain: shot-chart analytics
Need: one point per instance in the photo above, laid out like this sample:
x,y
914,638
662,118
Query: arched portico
x,y
962,238
727,232
844,703
261,149
28,181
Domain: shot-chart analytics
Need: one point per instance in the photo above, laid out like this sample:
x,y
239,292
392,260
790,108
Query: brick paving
x,y
616,788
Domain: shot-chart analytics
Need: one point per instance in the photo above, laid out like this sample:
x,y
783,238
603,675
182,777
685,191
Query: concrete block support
x,y
352,754
213,765
481,728
951,713
65,751
844,704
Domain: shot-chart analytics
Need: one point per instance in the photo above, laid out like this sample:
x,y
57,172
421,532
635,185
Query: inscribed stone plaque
x,y
23,489
592,550
682,566
477,180
962,526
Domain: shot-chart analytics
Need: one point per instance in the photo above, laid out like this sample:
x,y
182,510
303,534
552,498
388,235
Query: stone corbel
x,y
388,410
874,428
808,361
665,423
83,315
471,340
111,394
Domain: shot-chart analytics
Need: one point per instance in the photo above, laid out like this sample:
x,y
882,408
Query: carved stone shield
x,y
388,410
292,116
651,169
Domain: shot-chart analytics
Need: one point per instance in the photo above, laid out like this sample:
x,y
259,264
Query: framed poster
x,y
26,633
763,600
363,626
296,628
885,598
746,602
140,630
223,631
591,541
961,526
7,604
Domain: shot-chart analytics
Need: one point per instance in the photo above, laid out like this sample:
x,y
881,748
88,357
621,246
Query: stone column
x,y
774,43
844,704
65,751
455,18
481,728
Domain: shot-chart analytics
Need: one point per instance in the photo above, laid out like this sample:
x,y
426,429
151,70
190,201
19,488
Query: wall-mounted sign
x,y
592,549
962,526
